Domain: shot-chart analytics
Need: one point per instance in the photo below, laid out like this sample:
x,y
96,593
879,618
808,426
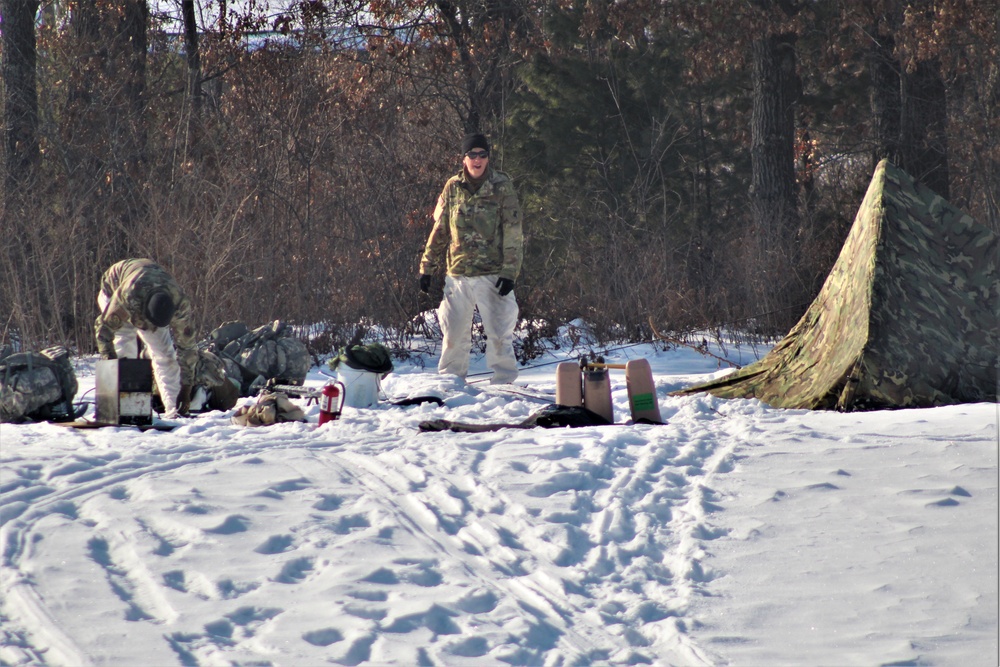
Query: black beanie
x,y
160,308
475,140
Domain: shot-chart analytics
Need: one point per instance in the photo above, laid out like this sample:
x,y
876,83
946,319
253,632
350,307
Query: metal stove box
x,y
124,389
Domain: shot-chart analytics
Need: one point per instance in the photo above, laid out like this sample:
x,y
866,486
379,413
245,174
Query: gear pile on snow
x,y
37,386
253,358
270,408
551,416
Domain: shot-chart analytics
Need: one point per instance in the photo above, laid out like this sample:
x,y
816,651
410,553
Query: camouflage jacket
x,y
126,285
478,234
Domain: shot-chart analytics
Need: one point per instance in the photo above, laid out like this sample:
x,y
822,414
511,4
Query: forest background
x,y
688,166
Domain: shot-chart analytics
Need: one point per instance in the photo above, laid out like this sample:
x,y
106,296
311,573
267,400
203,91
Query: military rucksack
x,y
221,387
268,353
374,358
37,386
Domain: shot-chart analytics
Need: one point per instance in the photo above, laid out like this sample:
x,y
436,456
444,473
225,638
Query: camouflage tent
x,y
908,316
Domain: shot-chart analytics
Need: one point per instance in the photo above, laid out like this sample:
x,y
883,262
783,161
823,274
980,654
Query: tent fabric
x,y
908,316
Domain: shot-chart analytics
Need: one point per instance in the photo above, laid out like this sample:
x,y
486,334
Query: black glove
x,y
506,286
425,282
184,401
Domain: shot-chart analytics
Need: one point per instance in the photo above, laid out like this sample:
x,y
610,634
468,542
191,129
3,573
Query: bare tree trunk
x,y
128,136
483,33
883,69
193,58
772,189
134,24
924,126
192,146
22,157
21,96
773,193
79,123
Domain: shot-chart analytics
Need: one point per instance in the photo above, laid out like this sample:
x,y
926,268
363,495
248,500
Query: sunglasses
x,y
477,155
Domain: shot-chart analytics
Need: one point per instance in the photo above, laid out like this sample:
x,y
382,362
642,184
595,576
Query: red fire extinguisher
x,y
331,401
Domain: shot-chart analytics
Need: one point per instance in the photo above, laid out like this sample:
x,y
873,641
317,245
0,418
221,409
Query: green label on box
x,y
643,402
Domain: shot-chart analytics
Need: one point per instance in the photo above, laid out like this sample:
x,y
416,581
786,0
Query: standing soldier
x,y
139,299
477,229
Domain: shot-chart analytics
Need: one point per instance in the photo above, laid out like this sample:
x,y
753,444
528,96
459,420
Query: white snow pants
x,y
160,347
462,294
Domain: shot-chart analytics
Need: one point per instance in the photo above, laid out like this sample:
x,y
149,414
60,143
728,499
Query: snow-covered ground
x,y
734,534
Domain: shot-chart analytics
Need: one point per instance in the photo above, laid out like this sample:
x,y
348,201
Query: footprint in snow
x,y
275,544
823,486
703,532
565,481
323,637
421,572
175,579
346,524
360,651
229,589
382,576
67,508
278,491
943,502
370,596
328,503
164,547
247,619
295,571
725,465
367,612
232,524
562,452
472,647
479,601
413,571
437,619
252,616
699,573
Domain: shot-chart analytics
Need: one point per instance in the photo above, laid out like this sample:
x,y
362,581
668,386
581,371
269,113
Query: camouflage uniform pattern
x,y
269,352
37,385
127,284
210,370
479,234
908,316
211,374
284,360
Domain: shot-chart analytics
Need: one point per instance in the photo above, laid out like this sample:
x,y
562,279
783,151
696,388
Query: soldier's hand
x,y
425,282
506,286
109,355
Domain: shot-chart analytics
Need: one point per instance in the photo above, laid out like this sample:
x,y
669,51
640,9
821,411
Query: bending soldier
x,y
138,299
